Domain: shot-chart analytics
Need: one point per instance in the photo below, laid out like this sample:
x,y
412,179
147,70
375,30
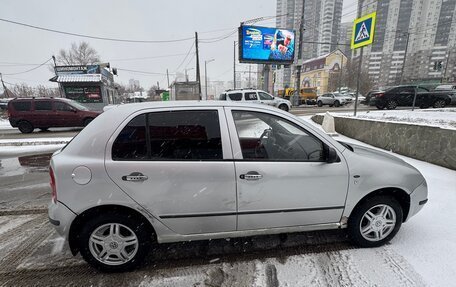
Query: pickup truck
x,y
403,96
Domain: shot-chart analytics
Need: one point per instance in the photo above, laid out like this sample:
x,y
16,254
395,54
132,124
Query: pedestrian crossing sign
x,y
363,31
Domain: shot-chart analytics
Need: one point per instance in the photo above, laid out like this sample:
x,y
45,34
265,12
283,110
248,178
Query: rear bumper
x,y
61,217
418,198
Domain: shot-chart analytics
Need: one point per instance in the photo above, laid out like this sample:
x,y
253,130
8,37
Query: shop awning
x,y
95,78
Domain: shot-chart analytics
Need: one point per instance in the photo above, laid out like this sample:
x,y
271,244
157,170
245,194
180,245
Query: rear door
x,y
282,177
251,97
177,165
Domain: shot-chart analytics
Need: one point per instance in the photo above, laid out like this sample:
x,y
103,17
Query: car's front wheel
x,y
439,104
375,222
320,103
87,121
283,107
114,242
337,104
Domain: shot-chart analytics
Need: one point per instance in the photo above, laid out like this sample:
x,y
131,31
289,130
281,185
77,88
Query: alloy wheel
x,y
378,222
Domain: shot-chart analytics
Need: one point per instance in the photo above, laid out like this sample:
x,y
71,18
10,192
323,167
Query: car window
x,y
130,144
177,135
43,106
265,97
223,97
59,106
265,137
235,96
22,106
421,90
250,96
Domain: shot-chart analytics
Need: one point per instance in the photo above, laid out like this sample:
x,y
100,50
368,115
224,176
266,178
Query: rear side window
x,y
235,96
177,135
43,106
250,96
22,106
130,144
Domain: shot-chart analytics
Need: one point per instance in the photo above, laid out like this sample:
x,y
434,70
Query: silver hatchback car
x,y
149,173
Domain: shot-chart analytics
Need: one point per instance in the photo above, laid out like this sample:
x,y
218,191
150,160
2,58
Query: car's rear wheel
x,y
283,107
25,127
375,222
319,103
114,242
391,105
337,104
439,104
87,121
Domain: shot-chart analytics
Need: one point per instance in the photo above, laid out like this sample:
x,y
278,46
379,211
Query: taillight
x,y
379,95
53,187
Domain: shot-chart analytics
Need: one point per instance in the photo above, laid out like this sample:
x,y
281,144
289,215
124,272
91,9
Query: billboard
x,y
266,45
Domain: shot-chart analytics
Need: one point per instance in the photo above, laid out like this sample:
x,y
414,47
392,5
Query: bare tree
x,y
24,90
79,54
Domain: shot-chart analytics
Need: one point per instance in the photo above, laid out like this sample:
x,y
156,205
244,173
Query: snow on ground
x,y
5,125
443,118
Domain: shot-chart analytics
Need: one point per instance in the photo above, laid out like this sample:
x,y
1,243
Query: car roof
x,y
182,104
38,98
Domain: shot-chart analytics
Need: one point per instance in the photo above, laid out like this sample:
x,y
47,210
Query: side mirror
x,y
331,155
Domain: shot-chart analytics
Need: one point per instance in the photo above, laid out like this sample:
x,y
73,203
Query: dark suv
x,y
403,96
44,113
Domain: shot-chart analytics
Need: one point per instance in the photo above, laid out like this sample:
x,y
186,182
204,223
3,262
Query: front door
x,y
175,164
266,98
67,116
282,177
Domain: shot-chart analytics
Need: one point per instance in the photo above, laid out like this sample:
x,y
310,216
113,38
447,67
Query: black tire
x,y
337,104
391,105
44,129
25,127
283,107
140,229
439,104
319,103
380,107
354,222
87,121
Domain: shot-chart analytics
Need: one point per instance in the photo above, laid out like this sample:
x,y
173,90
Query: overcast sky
x,y
133,19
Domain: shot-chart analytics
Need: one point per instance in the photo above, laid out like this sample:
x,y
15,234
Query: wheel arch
x,y
86,215
399,194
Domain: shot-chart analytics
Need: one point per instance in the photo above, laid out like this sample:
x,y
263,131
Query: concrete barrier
x,y
430,144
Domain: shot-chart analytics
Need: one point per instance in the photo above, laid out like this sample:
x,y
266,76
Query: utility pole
x,y
250,68
167,76
55,65
360,6
405,56
234,65
198,78
297,94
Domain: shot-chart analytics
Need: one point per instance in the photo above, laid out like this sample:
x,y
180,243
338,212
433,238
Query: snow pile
x,y
5,125
443,118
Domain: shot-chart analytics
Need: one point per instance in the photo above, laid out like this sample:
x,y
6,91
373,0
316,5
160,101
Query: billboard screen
x,y
266,45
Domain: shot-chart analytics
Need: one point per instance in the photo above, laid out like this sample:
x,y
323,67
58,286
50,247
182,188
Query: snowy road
x,y
422,254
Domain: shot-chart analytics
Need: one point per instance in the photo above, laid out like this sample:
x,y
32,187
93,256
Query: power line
x,y
142,72
23,72
185,58
147,58
95,37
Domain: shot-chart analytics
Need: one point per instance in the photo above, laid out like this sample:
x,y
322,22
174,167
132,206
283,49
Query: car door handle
x,y
135,176
251,175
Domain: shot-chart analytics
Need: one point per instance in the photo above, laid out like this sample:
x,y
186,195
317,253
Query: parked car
x,y
27,114
403,96
149,173
451,89
361,99
333,99
256,96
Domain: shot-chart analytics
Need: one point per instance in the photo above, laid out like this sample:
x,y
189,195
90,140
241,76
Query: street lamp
x,y
205,72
